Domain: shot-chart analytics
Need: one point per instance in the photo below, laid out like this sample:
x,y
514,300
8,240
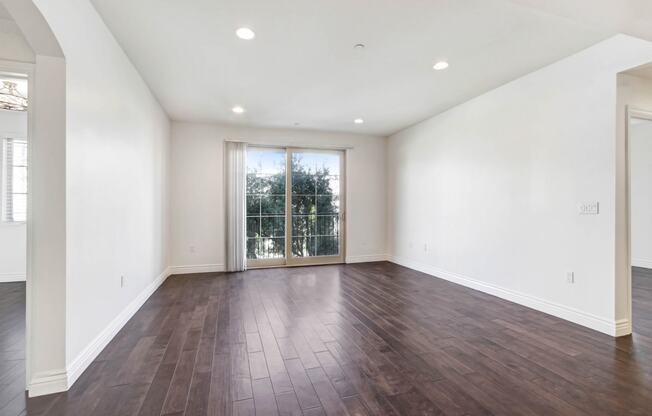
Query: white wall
x,y
487,193
198,199
46,232
105,184
13,123
116,178
13,236
640,140
13,249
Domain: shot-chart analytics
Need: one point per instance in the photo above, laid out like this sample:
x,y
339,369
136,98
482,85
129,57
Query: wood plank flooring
x,y
642,301
12,348
367,339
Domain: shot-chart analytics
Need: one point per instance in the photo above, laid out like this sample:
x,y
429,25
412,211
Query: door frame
x,y
632,112
315,260
288,260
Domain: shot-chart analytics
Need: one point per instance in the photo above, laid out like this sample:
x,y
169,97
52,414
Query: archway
x,y
46,219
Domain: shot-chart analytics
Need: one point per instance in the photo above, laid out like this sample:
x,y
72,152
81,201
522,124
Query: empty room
x,y
248,207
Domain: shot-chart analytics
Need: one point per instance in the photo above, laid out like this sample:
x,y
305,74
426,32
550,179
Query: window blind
x,y
14,195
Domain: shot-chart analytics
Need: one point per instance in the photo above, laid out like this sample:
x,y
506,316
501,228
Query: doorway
x,y
13,236
640,214
295,206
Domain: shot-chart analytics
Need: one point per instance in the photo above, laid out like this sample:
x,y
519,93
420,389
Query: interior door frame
x,y
314,260
289,260
631,113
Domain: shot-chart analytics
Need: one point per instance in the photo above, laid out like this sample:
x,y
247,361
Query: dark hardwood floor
x,y
642,302
12,349
367,339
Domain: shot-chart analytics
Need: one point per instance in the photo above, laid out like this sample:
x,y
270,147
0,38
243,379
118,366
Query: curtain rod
x,y
292,145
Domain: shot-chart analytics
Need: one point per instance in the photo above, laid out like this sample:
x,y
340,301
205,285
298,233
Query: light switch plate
x,y
589,208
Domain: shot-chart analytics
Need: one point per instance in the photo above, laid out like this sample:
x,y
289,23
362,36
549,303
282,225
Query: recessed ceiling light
x,y
358,121
359,46
238,110
440,65
245,33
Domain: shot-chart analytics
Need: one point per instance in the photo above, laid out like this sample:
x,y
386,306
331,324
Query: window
x,y
294,211
315,203
14,180
265,203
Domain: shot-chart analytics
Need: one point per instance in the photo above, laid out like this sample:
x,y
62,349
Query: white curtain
x,y
236,188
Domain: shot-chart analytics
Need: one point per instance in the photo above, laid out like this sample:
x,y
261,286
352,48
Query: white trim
x,y
291,145
606,326
48,382
12,277
86,357
644,263
623,327
198,268
367,258
17,68
630,112
12,223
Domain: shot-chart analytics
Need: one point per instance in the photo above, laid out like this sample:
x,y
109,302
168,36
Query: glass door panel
x,y
315,206
297,218
266,193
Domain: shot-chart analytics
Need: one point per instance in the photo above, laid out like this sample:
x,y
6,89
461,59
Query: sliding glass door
x,y
315,206
294,218
266,189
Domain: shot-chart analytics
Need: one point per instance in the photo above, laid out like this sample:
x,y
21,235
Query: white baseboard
x,y
12,277
48,383
606,326
199,268
623,327
366,258
86,357
644,263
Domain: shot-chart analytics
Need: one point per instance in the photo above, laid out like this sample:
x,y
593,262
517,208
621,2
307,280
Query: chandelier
x,y
10,98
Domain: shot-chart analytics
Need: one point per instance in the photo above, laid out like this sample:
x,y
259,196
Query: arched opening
x,y
44,67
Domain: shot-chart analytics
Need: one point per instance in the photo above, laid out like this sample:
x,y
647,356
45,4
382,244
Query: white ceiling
x,y
302,67
632,17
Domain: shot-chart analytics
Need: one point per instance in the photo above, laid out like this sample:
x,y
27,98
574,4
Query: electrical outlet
x,y
570,277
425,247
122,281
